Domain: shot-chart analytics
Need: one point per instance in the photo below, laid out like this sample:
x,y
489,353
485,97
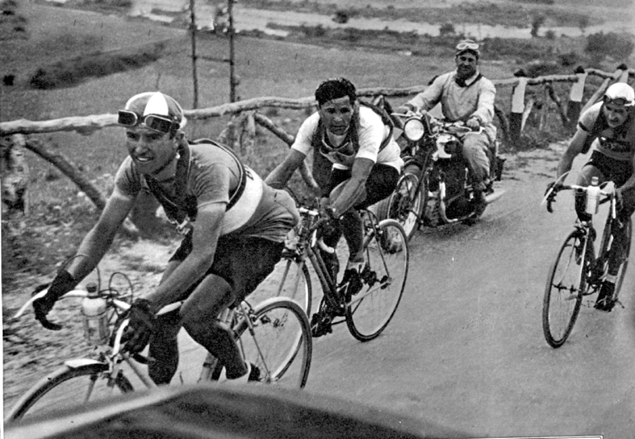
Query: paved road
x,y
466,350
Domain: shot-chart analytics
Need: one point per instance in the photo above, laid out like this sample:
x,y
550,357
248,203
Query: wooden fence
x,y
245,116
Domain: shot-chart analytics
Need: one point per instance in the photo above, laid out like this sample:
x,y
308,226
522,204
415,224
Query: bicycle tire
x,y
284,359
370,311
60,389
566,285
405,204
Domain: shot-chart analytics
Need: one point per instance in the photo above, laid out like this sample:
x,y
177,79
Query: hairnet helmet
x,y
155,110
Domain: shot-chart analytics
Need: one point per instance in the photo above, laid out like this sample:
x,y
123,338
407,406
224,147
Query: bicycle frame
x,y
311,244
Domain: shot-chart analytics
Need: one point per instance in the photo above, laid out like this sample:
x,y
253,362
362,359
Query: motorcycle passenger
x,y
610,125
234,227
465,95
356,164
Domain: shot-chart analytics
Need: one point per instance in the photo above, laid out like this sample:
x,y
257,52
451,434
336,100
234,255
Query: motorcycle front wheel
x,y
405,204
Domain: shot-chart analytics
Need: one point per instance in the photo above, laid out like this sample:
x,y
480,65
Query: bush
x,y
618,46
70,72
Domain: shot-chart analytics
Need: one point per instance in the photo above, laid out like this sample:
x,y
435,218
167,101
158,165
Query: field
x,y
265,67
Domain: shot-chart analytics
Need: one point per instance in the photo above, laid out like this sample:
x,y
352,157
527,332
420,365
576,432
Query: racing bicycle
x,y
368,311
274,335
578,271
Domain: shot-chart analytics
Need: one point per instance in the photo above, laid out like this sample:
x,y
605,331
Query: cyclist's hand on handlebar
x,y
61,285
550,194
141,326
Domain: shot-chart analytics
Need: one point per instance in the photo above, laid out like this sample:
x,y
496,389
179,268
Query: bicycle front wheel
x,y
295,283
384,278
405,204
566,284
68,387
277,339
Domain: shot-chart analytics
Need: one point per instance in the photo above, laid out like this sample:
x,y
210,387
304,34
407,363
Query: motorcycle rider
x,y
609,123
356,164
465,95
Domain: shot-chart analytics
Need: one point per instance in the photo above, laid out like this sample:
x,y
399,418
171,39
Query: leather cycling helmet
x,y
155,110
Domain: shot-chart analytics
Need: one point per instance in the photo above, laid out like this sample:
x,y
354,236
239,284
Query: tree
x,y
537,21
617,46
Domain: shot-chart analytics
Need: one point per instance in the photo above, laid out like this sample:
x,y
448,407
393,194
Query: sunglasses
x,y
622,102
467,45
152,121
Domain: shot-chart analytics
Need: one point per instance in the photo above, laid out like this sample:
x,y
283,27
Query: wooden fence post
x,y
518,106
575,98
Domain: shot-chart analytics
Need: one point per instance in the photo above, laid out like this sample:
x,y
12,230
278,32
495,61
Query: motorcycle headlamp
x,y
413,129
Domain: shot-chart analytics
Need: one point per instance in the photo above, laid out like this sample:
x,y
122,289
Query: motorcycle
x,y
435,189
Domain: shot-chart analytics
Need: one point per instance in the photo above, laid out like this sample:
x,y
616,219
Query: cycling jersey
x,y
213,174
616,143
374,141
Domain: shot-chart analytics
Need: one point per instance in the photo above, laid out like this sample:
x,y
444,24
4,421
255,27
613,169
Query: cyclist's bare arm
x,y
100,237
575,147
283,172
354,189
207,227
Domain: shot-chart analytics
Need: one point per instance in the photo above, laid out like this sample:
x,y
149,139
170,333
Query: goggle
x,y
153,121
465,45
622,102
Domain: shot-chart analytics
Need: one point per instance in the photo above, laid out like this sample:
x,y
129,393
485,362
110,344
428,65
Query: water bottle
x,y
95,317
593,197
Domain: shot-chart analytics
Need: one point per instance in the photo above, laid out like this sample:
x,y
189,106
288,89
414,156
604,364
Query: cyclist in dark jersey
x,y
610,126
234,226
356,163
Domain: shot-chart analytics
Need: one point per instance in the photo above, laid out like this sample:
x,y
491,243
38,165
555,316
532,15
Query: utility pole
x,y
193,35
232,75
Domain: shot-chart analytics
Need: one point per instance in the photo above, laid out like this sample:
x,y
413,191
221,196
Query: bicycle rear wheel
x,y
566,284
384,278
68,387
280,343
405,204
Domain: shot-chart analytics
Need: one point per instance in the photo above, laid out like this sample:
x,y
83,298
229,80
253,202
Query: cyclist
x,y
610,125
465,95
234,226
356,162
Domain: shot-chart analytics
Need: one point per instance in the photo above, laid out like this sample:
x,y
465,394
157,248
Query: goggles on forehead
x,y
466,45
622,102
153,121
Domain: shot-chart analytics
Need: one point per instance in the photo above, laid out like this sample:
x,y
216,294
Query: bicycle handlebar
x,y
550,196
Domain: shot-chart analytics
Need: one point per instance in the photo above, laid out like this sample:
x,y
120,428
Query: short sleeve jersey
x,y
372,132
616,143
213,175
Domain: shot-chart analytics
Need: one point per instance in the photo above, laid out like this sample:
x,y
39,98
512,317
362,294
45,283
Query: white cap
x,y
621,90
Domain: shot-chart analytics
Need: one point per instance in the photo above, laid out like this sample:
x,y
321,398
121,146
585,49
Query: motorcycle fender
x,y
80,362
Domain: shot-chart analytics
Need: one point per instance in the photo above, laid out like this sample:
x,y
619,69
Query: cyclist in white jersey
x,y
356,162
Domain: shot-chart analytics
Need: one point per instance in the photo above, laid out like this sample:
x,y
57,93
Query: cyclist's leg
x,y
620,233
380,183
244,264
199,315
163,346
